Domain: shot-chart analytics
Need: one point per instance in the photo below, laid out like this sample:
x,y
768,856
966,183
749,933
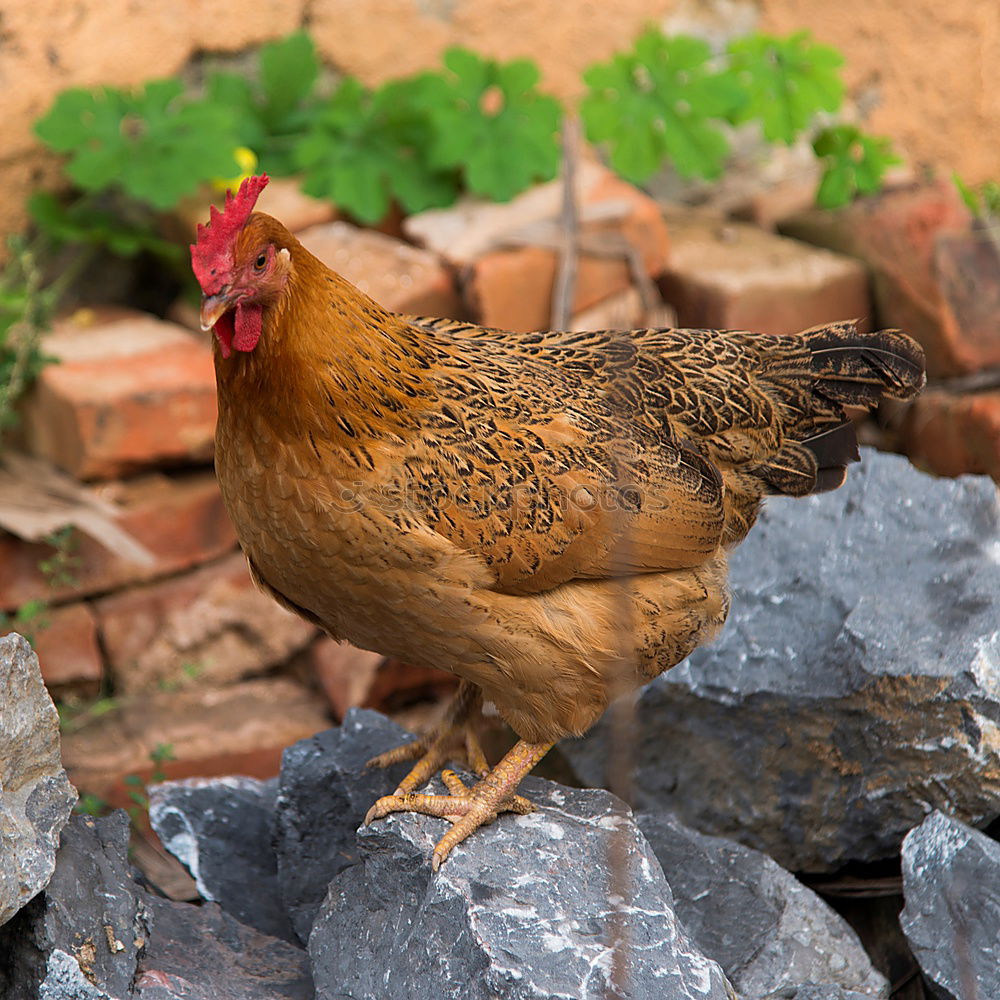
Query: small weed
x,y
30,618
61,568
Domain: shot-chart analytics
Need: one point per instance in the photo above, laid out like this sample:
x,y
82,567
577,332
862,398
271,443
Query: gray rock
x,y
202,953
64,980
524,908
767,930
951,883
812,991
36,797
855,686
323,795
93,934
89,911
221,830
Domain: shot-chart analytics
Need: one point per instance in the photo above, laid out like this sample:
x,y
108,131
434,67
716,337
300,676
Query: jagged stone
x,y
36,797
951,883
767,930
64,980
221,829
202,953
94,934
856,684
89,912
530,906
812,991
324,792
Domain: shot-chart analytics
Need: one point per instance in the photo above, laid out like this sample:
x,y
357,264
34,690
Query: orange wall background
x,y
926,73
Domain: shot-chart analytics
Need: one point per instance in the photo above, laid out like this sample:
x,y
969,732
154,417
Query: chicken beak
x,y
213,307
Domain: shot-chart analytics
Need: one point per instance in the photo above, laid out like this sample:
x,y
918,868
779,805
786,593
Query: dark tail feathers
x,y
850,369
859,369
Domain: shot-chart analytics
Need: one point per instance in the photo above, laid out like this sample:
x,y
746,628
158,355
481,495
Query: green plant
x,y
983,201
73,715
29,617
60,568
25,310
475,124
92,805
159,755
481,125
273,111
366,148
191,670
156,144
493,125
785,82
854,164
671,100
664,100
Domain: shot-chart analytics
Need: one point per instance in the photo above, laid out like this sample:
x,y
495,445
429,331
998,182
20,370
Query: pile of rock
x,y
847,713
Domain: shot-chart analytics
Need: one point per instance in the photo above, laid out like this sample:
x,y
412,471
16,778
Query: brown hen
x,y
546,515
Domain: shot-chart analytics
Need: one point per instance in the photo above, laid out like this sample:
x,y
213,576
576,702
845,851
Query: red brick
x,y
130,392
241,729
352,678
398,276
179,518
65,639
727,275
397,684
345,673
511,287
898,235
209,626
953,434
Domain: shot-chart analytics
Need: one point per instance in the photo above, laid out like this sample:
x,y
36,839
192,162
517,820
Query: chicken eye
x,y
258,264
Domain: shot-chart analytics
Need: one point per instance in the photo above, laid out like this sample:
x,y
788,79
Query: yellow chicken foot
x,y
469,808
454,738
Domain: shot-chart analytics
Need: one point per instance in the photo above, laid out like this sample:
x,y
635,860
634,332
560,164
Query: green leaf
x,y
786,82
153,144
365,149
491,123
288,71
855,164
662,101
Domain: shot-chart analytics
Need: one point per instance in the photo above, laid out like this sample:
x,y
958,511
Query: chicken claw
x,y
469,808
454,739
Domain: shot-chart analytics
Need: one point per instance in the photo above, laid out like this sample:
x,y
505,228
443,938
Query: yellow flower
x,y
246,160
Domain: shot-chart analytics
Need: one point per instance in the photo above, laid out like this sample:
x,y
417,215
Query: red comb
x,y
211,254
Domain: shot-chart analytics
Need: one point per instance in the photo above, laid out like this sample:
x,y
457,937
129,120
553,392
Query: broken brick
x,y
952,434
179,518
507,279
240,729
898,235
345,673
398,276
130,392
209,626
65,639
732,276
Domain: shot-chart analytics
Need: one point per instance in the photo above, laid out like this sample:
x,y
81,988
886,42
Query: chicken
x,y
545,515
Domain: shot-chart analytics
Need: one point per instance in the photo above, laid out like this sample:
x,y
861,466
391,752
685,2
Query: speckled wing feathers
x,y
677,434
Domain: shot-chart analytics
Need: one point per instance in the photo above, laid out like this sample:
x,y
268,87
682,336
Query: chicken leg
x,y
468,808
454,738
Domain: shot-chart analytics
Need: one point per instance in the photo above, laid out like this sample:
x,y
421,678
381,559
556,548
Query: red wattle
x,y
249,319
224,332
